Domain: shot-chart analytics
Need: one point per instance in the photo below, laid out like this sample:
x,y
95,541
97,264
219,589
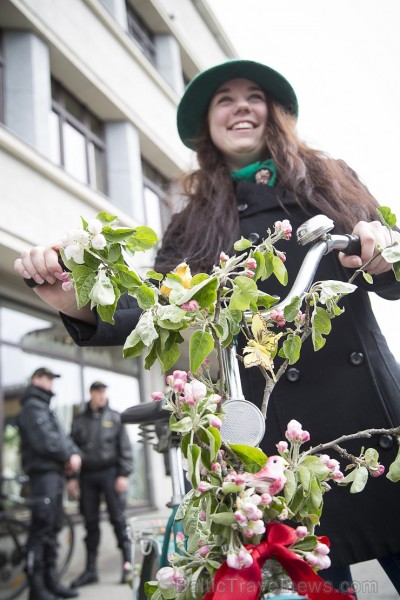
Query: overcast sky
x,y
343,59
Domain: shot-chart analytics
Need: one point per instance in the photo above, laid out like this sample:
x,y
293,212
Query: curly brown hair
x,y
210,223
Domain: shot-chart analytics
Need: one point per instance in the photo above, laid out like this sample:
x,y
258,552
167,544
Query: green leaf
x,y
316,466
169,356
84,278
321,321
386,216
146,329
200,346
193,458
306,544
154,275
266,300
331,288
151,355
394,469
259,257
371,457
392,254
291,310
223,518
245,291
368,278
182,426
133,345
360,480
280,270
119,234
290,486
114,253
291,347
268,265
315,493
106,219
146,297
143,239
305,479
253,459
242,244
127,277
171,317
150,588
396,270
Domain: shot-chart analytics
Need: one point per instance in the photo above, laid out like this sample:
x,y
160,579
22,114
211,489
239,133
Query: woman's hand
x,y
371,235
41,264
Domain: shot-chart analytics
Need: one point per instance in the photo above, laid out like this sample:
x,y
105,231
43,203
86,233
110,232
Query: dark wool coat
x,y
351,384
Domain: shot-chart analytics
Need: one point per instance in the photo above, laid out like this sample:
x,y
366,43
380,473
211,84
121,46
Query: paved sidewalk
x,y
370,580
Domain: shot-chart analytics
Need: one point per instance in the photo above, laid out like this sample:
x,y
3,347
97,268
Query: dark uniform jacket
x,y
103,440
44,444
351,384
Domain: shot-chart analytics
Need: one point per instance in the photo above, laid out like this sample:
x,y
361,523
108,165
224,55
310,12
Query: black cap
x,y
97,385
45,372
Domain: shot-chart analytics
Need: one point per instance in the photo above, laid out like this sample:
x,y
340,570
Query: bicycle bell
x,y
313,229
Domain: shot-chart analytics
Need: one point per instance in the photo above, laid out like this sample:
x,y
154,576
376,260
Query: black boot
x,y
37,588
89,575
53,585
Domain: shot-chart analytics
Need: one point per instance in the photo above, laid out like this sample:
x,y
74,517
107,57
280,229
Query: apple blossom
x,y
75,252
203,551
157,396
99,241
199,390
251,264
378,471
95,226
223,257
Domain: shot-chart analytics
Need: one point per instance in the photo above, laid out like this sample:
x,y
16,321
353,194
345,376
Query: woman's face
x,y
237,118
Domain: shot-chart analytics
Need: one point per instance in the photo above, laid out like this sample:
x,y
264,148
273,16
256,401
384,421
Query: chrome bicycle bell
x,y
314,229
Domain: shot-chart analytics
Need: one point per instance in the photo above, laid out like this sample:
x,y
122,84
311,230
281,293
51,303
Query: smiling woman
x,y
255,173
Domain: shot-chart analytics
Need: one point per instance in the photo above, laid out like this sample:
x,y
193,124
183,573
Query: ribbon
x,y
232,584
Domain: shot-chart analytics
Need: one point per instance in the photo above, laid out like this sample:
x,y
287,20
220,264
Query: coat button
x,y
242,207
253,238
293,374
356,358
386,441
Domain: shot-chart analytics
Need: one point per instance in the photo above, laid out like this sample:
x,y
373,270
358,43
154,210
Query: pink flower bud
x,y
67,286
240,516
377,472
203,486
202,516
251,264
179,538
215,422
180,375
203,551
157,396
337,475
216,468
248,273
199,390
223,258
266,498
321,548
301,531
170,381
305,436
179,385
215,398
282,446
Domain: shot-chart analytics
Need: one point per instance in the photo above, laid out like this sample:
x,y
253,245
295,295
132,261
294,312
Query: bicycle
x,y
155,541
14,529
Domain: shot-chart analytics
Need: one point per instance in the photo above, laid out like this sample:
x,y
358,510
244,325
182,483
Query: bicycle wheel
x,y
13,538
66,541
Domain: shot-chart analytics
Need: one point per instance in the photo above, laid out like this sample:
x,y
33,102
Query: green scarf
x,y
248,173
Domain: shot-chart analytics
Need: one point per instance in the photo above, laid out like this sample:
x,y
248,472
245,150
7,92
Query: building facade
x,y
88,97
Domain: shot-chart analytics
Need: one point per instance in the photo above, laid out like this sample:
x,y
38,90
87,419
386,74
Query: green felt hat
x,y
198,94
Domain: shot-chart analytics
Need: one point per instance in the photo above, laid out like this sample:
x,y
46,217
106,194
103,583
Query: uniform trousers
x,y
95,485
46,519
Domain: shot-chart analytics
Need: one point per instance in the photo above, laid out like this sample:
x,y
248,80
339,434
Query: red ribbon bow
x,y
232,584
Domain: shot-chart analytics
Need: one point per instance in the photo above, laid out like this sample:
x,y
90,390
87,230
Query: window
x,y
141,34
157,212
77,139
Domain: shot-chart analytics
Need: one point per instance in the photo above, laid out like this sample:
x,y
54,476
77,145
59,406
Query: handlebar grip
x,y
353,247
32,283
